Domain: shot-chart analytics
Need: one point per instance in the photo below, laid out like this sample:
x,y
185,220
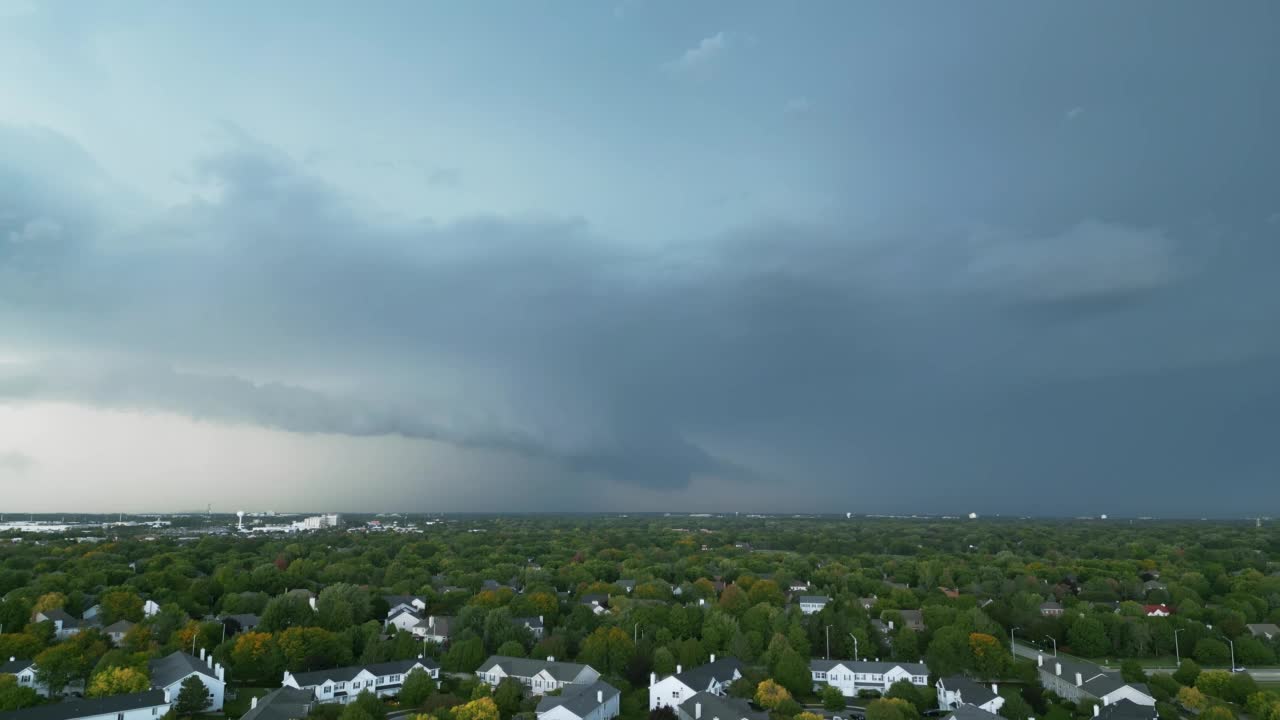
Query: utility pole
x,y
1013,648
1053,640
1177,653
855,646
828,642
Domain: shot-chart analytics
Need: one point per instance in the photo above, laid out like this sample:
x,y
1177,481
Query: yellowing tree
x,y
770,694
118,681
1192,699
49,601
808,716
482,709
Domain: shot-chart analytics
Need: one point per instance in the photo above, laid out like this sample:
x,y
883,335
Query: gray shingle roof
x,y
72,708
172,668
1126,709
715,707
970,692
527,667
119,626
15,666
343,674
284,703
819,599
971,712
579,699
868,666
701,677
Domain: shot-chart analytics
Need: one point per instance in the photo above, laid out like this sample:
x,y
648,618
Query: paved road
x,y
1026,650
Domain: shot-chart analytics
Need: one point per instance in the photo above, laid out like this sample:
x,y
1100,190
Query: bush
x,y
1187,673
832,698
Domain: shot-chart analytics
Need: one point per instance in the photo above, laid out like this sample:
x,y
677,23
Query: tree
x,y
14,696
734,601
662,713
367,705
1088,637
193,697
464,656
511,648
1215,683
47,602
1015,708
1131,671
1212,651
418,686
256,656
769,694
482,709
806,715
792,672
118,681
906,690
1218,712
664,663
832,698
121,605
286,611
989,658
891,709
948,651
607,650
1192,699
507,697
59,665
1187,673
342,605
766,591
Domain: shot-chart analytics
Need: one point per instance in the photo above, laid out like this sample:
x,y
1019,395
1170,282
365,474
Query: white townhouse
x,y
810,604
958,690
434,628
64,624
539,676
168,672
854,675
25,671
149,705
403,618
341,685
535,625
1084,683
597,701
714,677
412,603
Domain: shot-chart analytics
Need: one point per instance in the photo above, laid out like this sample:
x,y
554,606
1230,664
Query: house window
x,y
327,689
119,716
340,685
675,693
155,711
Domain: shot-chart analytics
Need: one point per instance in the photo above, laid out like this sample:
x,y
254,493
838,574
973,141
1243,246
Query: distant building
x,y
168,673
25,672
134,706
705,706
810,604
538,676
957,690
1265,631
714,677
850,676
342,685
1051,609
1085,683
597,701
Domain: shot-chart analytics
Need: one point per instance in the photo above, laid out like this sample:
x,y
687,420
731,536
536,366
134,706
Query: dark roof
x,y
528,667
394,600
343,674
970,692
72,708
579,699
868,666
247,621
56,614
823,599
594,598
533,623
284,703
700,678
16,665
715,707
971,712
172,668
1127,710
119,626
1095,681
912,617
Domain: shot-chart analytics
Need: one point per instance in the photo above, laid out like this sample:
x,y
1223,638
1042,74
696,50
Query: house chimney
x,y
890,624
253,702
1057,668
1096,711
166,696
1079,679
994,689
697,711
713,657
679,669
222,673
599,696
541,620
1039,660
201,653
551,658
208,660
12,658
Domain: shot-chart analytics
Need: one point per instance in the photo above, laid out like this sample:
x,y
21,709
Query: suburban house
x,y
539,676
810,604
64,624
240,622
912,620
626,585
959,690
970,712
168,672
850,676
25,671
533,624
435,628
714,678
412,603
117,630
868,602
341,685
284,703
1051,609
597,701
705,706
598,602
403,618
1084,682
1266,631
148,705
150,607
1126,710
1152,585
1157,610
92,612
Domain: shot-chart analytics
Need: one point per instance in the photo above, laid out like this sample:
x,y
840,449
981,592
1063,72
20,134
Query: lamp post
x,y
828,642
1053,640
855,646
1233,652
1177,652
1013,649
635,634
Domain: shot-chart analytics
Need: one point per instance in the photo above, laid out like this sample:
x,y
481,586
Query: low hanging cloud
x,y
708,52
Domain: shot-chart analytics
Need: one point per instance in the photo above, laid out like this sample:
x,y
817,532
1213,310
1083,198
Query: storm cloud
x,y
991,317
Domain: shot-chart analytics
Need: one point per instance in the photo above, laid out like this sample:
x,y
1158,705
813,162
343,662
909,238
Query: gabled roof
x,y
286,703
912,617
247,621
1050,605
1126,709
527,667
16,665
171,668
119,626
56,614
72,708
715,707
971,712
867,666
1264,630
814,599
402,610
437,624
700,678
533,623
344,674
579,699
594,599
970,692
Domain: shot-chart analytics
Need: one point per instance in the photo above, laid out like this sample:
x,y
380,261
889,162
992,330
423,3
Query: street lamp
x,y
1013,650
635,634
828,642
1229,642
1053,640
855,646
1177,653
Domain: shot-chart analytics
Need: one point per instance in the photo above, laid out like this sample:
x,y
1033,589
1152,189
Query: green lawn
x,y
1273,687
239,706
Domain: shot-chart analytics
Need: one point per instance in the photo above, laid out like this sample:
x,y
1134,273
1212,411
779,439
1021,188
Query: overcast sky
x,y
638,255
